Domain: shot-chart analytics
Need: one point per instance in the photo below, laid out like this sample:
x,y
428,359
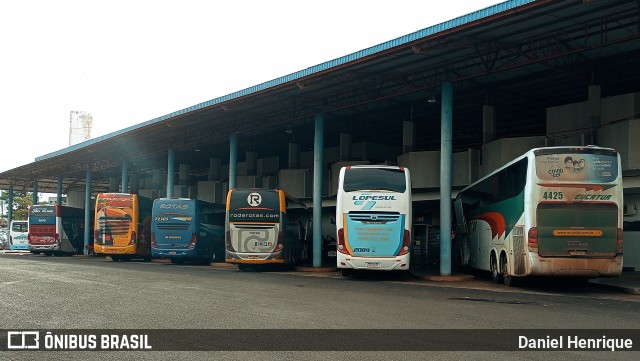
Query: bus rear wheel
x,y
506,277
496,276
207,261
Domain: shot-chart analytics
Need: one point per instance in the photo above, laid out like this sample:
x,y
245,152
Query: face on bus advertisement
x,y
577,167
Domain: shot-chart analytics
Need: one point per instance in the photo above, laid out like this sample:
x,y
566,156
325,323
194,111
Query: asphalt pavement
x,y
628,282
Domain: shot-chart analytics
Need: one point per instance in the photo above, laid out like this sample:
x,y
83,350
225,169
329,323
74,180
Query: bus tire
x,y
208,260
115,258
346,272
508,280
496,276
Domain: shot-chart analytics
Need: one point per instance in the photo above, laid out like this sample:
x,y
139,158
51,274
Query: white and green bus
x,y
554,211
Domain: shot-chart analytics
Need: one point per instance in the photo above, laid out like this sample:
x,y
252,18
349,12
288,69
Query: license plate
x,y
577,253
373,264
172,252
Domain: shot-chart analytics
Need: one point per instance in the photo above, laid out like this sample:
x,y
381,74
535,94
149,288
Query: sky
x,y
127,62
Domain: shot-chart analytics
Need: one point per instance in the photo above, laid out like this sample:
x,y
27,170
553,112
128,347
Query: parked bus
x,y
185,229
18,235
554,211
266,226
56,229
373,218
122,226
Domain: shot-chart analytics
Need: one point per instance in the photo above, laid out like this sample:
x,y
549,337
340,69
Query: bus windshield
x,y
358,179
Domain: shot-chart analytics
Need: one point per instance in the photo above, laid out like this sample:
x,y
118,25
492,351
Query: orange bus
x,y
122,226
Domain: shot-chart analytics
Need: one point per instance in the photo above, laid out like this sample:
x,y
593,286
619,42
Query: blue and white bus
x,y
373,218
184,229
18,236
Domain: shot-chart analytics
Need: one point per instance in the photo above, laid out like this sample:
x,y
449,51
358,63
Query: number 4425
x,y
552,195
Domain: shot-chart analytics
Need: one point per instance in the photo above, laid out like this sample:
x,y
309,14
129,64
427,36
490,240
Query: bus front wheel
x,y
496,276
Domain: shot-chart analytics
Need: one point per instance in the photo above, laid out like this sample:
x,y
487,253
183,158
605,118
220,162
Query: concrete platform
x,y
315,269
629,282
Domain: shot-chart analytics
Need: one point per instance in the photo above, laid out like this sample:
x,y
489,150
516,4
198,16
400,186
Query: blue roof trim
x,y
483,13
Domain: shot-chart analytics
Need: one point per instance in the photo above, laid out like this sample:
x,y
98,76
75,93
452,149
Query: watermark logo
x,y
23,340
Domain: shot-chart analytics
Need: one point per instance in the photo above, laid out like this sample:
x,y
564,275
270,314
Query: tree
x,y
21,203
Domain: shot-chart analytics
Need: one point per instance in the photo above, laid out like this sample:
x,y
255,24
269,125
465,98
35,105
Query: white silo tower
x,y
80,127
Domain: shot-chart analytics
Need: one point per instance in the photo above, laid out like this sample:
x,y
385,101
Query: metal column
x,y
59,194
10,208
171,157
125,176
318,145
34,195
87,210
233,160
446,121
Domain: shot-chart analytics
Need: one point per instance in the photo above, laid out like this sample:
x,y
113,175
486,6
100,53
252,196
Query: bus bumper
x,y
254,258
174,253
375,264
575,267
114,250
44,247
19,247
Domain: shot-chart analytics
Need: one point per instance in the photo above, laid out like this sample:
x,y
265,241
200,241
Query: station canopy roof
x,y
519,56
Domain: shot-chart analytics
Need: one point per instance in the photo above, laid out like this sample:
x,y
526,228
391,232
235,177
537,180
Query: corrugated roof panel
x,y
447,25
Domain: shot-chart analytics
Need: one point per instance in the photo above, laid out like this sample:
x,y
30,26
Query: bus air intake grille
x,y
173,226
374,217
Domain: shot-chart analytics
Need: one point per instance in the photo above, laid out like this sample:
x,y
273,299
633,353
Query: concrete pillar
x,y
59,194
184,175
171,157
251,162
157,178
294,156
408,136
125,176
34,196
214,169
233,160
594,112
318,165
345,146
134,186
488,123
87,210
114,184
446,154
